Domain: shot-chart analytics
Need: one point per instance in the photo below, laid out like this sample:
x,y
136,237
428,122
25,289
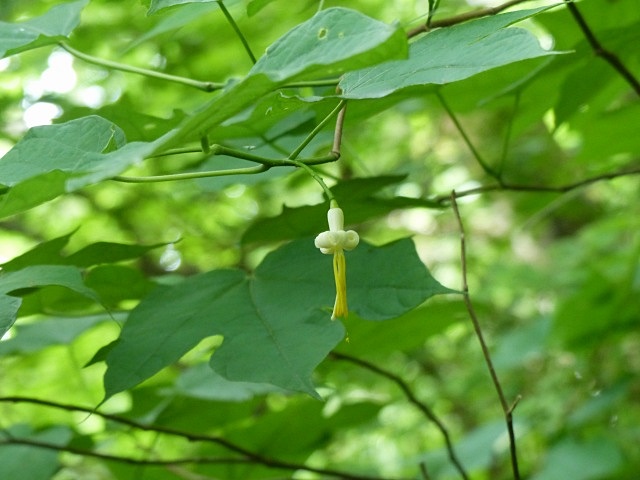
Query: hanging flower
x,y
336,241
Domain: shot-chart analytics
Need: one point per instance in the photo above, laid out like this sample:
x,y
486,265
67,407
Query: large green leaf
x,y
37,276
275,323
331,42
50,28
53,159
448,55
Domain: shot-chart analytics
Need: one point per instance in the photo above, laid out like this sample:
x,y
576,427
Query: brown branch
x,y
507,410
248,455
444,199
413,400
463,17
608,56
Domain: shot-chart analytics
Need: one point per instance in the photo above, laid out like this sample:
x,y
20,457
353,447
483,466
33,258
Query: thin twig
x,y
463,17
444,199
474,151
411,397
248,455
236,29
599,50
507,410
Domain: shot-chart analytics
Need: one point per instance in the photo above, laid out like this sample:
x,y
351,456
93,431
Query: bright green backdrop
x,y
166,165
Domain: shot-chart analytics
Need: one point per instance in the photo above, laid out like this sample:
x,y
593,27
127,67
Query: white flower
x,y
336,241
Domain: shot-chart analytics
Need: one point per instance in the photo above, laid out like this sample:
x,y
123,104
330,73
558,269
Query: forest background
x,y
166,165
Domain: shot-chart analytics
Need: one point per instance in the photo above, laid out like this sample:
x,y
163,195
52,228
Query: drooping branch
x,y
445,199
600,51
413,399
246,455
506,408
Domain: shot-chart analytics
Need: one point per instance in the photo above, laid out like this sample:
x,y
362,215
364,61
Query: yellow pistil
x,y
336,241
340,274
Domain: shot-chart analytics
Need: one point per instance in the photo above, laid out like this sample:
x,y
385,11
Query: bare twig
x,y
599,50
424,408
507,410
247,456
463,17
443,199
121,459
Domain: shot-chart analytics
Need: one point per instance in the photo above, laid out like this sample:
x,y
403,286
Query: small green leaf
x,y
449,54
54,159
32,337
50,28
275,323
37,276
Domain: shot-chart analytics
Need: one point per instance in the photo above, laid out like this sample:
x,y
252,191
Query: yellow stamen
x,y
340,274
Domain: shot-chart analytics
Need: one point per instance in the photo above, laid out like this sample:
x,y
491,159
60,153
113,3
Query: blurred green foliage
x,y
172,299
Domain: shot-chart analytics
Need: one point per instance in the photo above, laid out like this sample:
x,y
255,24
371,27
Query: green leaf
x,y
254,6
449,54
157,5
200,382
48,29
32,337
581,460
54,159
8,312
47,253
331,42
24,461
37,276
275,323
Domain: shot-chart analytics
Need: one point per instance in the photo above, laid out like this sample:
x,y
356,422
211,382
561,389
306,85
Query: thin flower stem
x,y
236,29
506,409
204,86
316,177
316,130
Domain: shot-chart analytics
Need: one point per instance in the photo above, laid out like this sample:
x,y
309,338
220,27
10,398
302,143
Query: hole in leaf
x,y
322,33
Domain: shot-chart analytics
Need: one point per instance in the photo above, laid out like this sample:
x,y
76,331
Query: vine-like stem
x,y
236,29
247,456
599,50
172,177
507,410
316,130
413,399
204,86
